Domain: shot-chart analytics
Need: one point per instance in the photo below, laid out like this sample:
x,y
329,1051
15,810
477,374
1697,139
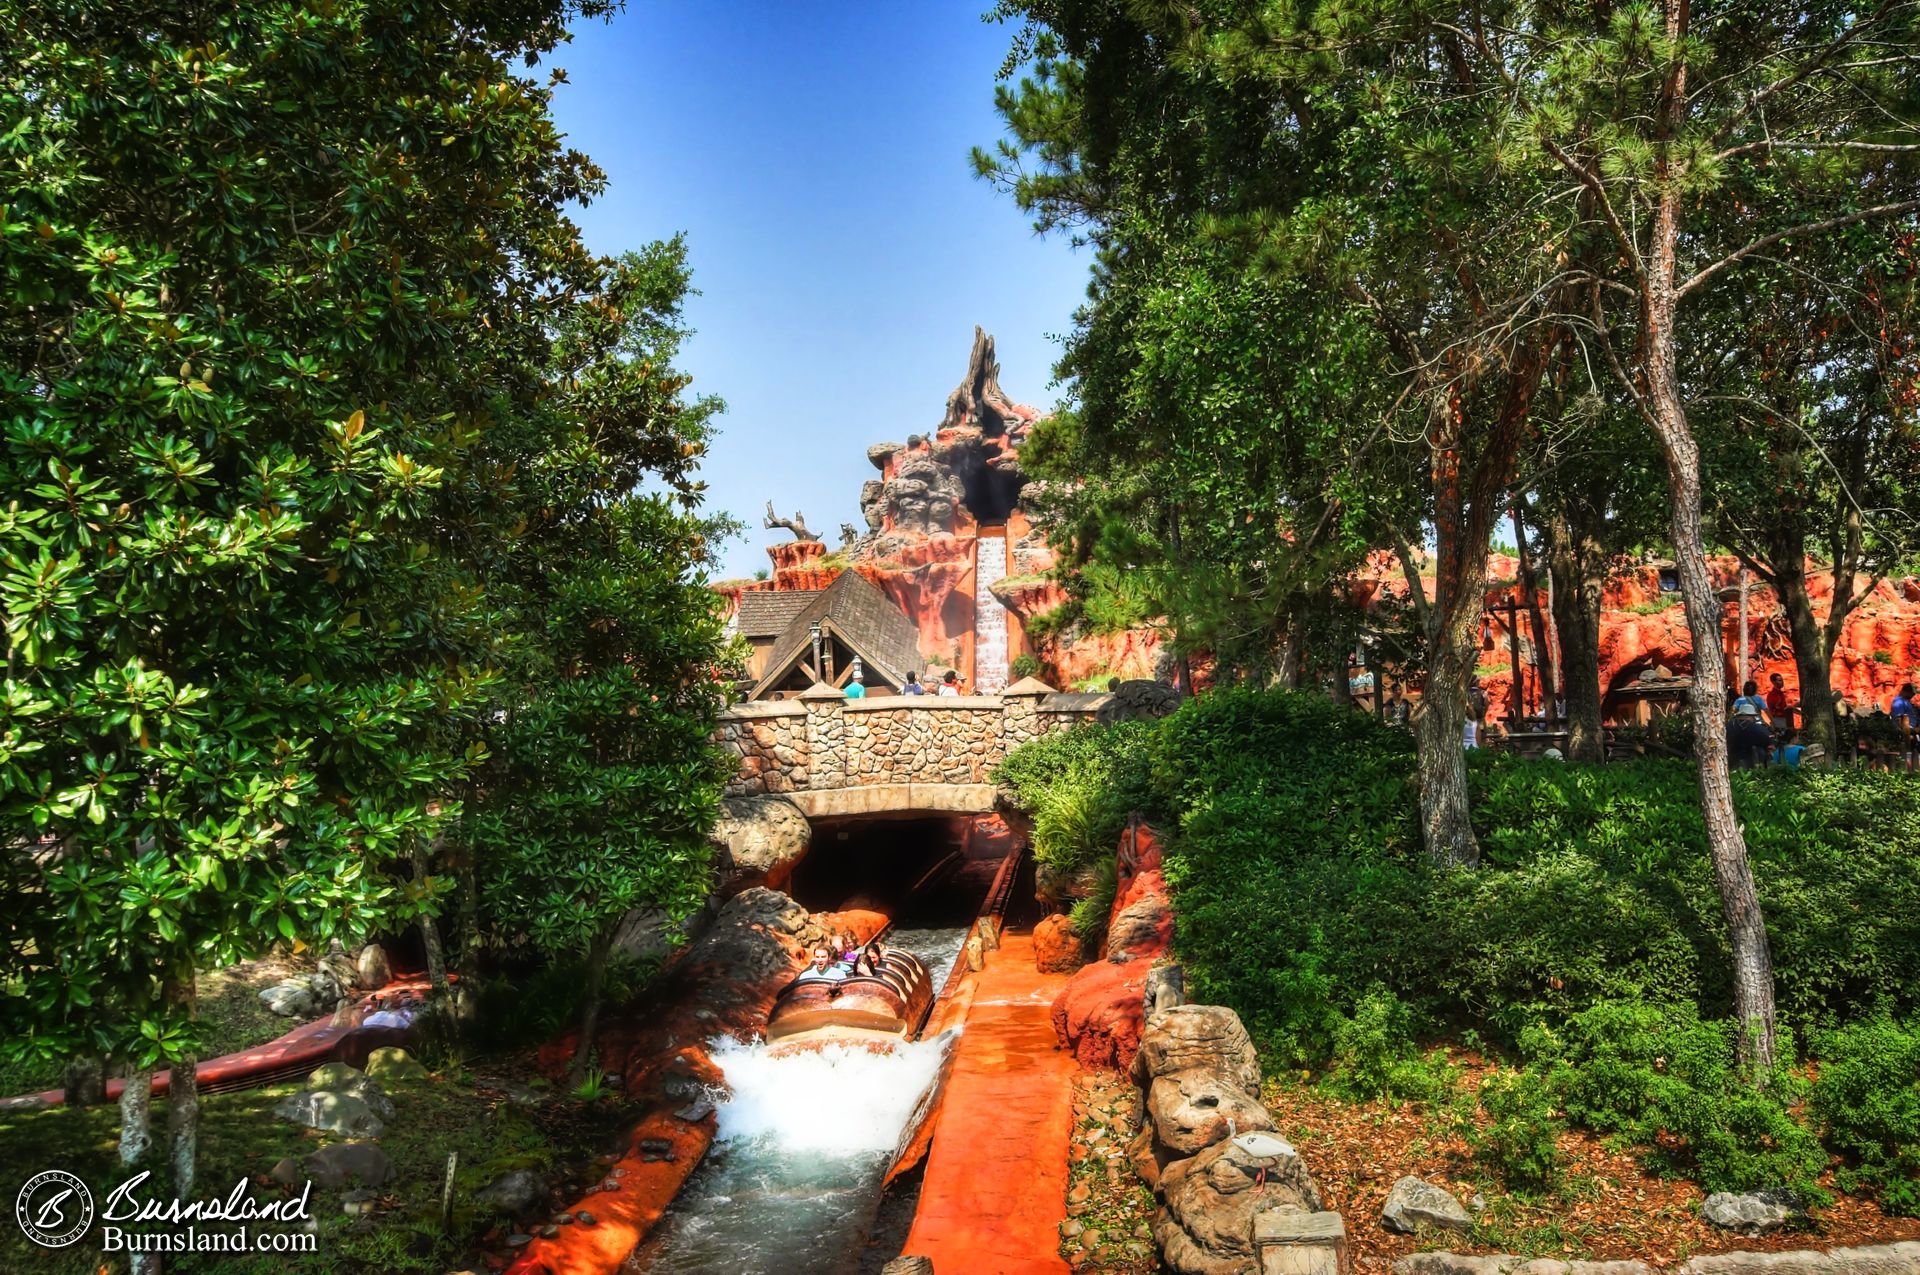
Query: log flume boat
x,y
888,1004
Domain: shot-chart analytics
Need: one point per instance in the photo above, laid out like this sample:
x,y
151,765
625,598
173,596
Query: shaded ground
x,y
231,1019
1607,1208
465,1111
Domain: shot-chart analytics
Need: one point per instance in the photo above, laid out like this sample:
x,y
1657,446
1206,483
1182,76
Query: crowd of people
x,y
1761,728
842,957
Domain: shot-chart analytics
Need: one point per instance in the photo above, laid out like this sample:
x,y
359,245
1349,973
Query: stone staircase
x,y
989,617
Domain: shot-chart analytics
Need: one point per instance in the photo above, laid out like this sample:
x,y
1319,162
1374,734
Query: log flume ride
x,y
889,1004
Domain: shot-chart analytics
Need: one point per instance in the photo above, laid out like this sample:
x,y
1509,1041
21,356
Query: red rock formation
x,y
1056,948
1100,1013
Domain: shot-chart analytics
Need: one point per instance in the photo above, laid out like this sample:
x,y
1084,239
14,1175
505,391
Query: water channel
x,y
792,1182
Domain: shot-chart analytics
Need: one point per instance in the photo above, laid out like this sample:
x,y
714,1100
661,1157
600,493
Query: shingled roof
x,y
766,613
862,617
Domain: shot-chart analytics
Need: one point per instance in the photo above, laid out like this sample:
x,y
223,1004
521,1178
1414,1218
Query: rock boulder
x,y
1210,1036
1056,948
513,1193
348,1162
330,1112
372,969
1755,1212
1100,1013
762,838
1206,1224
336,1077
1193,1109
1414,1206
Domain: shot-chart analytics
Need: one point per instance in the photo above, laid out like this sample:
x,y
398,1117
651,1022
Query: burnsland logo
x,y
54,1208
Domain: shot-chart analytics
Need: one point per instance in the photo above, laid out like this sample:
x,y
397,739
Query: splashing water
x,y
806,1136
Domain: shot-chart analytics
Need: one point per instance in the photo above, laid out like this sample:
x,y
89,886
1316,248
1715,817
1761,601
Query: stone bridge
x,y
894,754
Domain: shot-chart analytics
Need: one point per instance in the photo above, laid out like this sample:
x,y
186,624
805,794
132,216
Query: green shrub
x,y
1517,1141
1661,1078
1080,785
1098,885
1591,940
1025,664
1376,1056
1866,1103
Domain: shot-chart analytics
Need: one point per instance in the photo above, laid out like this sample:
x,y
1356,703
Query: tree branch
x,y
1779,236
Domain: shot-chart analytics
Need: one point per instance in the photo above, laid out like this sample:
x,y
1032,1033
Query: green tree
x,y
1691,142
603,780
273,276
1202,124
1807,425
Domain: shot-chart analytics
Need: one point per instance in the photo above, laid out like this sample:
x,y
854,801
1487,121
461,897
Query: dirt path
x,y
994,1193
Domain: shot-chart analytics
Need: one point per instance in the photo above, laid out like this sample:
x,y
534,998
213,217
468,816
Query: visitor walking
x,y
913,686
950,684
1748,738
1395,711
1476,710
1781,712
1906,715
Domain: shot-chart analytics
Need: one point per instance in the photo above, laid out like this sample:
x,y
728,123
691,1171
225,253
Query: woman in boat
x,y
869,960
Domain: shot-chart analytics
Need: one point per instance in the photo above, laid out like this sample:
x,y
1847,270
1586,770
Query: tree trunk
x,y
136,1118
1530,596
429,927
1746,926
590,1013
1812,656
183,1100
1446,828
1575,560
1286,673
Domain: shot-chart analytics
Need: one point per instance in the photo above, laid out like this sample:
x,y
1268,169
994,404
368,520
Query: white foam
x,y
837,1100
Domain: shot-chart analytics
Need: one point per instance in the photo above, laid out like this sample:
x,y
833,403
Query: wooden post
x,y
1516,692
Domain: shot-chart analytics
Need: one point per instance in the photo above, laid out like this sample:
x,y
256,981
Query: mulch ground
x,y
1609,1207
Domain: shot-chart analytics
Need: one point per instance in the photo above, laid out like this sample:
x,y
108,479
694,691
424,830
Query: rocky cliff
x,y
940,494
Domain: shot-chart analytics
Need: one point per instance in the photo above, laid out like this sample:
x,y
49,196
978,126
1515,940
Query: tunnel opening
x,y
923,871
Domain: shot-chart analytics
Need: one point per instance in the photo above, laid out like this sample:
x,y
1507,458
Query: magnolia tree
x,y
603,779
281,287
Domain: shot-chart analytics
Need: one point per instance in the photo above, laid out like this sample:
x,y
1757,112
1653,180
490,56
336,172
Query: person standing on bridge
x,y
950,684
913,686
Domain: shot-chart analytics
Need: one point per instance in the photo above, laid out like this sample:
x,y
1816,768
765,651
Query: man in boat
x,y
823,967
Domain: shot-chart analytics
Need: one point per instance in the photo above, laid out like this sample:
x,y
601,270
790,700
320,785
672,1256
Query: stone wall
x,y
822,740
770,740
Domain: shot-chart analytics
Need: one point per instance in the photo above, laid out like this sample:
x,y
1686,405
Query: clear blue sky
x,y
816,157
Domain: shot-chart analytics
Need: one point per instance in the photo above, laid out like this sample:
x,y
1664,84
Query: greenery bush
x,y
1098,885
1025,664
1516,1139
1080,785
1866,1104
1662,1078
1589,948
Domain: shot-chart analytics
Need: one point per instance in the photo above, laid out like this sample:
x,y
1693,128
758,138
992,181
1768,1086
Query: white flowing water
x,y
792,1182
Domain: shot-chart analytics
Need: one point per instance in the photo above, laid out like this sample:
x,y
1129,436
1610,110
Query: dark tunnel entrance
x,y
926,872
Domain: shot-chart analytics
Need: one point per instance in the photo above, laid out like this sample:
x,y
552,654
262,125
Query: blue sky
x,y
816,157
